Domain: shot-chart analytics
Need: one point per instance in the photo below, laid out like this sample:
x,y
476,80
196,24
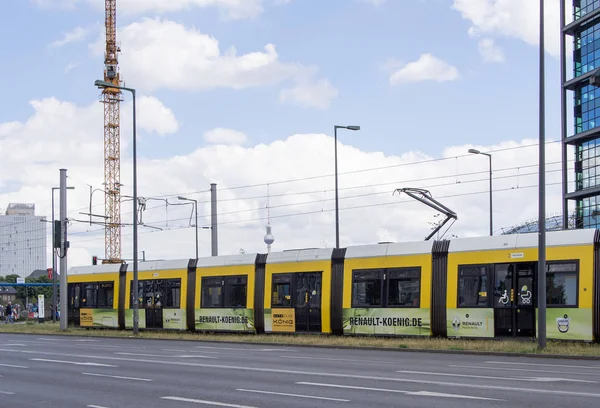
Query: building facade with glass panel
x,y
584,135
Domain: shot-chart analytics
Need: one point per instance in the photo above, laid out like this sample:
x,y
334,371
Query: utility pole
x,y
541,274
63,250
213,219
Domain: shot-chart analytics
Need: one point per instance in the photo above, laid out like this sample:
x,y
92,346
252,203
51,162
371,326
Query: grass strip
x,y
561,348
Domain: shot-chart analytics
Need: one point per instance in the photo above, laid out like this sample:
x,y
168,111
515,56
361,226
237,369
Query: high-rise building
x,y
581,125
22,241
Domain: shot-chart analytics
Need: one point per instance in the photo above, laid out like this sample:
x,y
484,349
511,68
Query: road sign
x,y
20,280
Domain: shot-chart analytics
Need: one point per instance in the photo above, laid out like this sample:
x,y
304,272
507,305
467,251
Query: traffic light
x,y
94,260
50,272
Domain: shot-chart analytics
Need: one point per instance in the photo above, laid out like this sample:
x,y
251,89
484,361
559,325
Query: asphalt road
x,y
75,372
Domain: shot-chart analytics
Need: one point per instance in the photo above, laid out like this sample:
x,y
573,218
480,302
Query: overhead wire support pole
x,y
63,250
541,275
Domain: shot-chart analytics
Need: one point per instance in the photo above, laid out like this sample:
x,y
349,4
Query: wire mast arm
x,y
426,198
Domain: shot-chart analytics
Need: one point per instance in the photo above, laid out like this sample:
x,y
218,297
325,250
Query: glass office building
x,y
581,125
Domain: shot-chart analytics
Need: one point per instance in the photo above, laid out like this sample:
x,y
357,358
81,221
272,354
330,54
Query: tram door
x,y
74,303
308,301
302,292
151,293
514,300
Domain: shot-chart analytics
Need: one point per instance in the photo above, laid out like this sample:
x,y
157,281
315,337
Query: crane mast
x,y
111,97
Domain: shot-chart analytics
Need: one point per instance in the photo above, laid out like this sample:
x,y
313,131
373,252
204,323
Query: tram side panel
x,y
162,295
387,289
224,300
297,291
492,286
570,274
93,296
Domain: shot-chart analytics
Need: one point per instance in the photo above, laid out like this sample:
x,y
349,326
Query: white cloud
x,y
156,117
513,19
426,68
490,51
77,34
60,134
71,65
319,94
230,9
225,136
165,54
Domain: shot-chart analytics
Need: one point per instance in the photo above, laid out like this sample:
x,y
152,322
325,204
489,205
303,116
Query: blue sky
x,y
350,42
426,80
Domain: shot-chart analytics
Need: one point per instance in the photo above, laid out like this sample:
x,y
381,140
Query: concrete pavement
x,y
57,371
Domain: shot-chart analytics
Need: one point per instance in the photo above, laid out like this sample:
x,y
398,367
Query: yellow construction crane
x,y
111,97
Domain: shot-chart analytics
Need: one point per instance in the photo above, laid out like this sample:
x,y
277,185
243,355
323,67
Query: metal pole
x,y
64,247
337,210
563,117
196,209
541,278
54,294
491,212
135,222
213,219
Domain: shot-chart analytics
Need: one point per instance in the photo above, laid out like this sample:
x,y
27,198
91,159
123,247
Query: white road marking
x,y
192,351
341,359
535,379
245,349
7,392
545,365
96,406
72,362
117,376
15,344
320,374
197,401
13,366
524,370
293,395
163,355
443,395
418,393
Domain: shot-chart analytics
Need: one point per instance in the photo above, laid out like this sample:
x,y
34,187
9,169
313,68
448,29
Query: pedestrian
x,y
8,313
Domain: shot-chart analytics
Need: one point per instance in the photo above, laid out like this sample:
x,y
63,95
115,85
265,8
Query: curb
x,y
338,347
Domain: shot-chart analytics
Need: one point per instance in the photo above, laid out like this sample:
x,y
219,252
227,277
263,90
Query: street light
x,y
337,210
475,151
54,294
196,209
103,84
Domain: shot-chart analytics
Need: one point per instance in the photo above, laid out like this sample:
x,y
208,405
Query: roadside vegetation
x,y
484,346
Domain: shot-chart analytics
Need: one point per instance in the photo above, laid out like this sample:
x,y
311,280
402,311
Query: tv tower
x,y
269,238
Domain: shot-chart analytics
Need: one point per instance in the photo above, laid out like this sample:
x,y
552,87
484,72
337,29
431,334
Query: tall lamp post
x,y
196,209
337,210
54,294
475,151
541,273
103,84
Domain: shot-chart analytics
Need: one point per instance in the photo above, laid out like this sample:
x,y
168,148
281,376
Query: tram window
x,y
173,293
366,288
473,285
105,295
562,284
224,291
404,287
92,295
281,291
235,291
211,292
